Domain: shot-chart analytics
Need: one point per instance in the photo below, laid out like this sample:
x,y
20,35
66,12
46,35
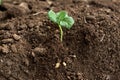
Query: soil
x,y
30,47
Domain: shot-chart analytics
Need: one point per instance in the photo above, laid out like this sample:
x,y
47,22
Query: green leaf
x,y
67,22
52,16
60,16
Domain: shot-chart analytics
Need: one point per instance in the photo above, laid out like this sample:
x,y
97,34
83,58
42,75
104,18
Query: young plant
x,y
62,19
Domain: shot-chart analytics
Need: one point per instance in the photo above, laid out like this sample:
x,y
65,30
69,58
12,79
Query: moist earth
x,y
30,46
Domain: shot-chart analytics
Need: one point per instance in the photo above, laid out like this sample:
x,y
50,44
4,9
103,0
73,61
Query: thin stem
x,y
61,33
0,2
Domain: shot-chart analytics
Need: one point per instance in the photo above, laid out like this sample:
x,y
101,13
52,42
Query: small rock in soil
x,y
9,40
73,56
33,54
13,48
39,50
24,8
49,2
64,64
1,61
5,49
16,37
57,65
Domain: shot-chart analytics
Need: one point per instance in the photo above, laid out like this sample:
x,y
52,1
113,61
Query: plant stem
x,y
0,2
61,33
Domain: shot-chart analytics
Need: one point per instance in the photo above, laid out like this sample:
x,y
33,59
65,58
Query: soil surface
x,y
30,47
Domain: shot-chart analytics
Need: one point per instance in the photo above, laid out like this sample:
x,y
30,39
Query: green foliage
x,y
62,19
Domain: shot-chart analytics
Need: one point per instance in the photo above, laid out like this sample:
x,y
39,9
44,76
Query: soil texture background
x,y
30,46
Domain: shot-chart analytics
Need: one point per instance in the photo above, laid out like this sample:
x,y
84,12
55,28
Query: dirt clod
x,y
16,37
57,65
39,50
14,10
13,48
10,40
5,49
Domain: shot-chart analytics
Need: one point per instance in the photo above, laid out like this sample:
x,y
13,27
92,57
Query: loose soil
x,y
30,47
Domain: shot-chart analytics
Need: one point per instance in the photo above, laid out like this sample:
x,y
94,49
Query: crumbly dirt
x,y
30,47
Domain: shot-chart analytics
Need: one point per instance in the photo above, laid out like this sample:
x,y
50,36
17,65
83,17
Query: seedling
x,y
62,19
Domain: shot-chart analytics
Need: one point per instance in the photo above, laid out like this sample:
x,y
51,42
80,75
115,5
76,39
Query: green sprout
x,y
62,19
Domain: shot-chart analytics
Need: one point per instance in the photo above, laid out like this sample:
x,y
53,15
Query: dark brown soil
x,y
30,47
